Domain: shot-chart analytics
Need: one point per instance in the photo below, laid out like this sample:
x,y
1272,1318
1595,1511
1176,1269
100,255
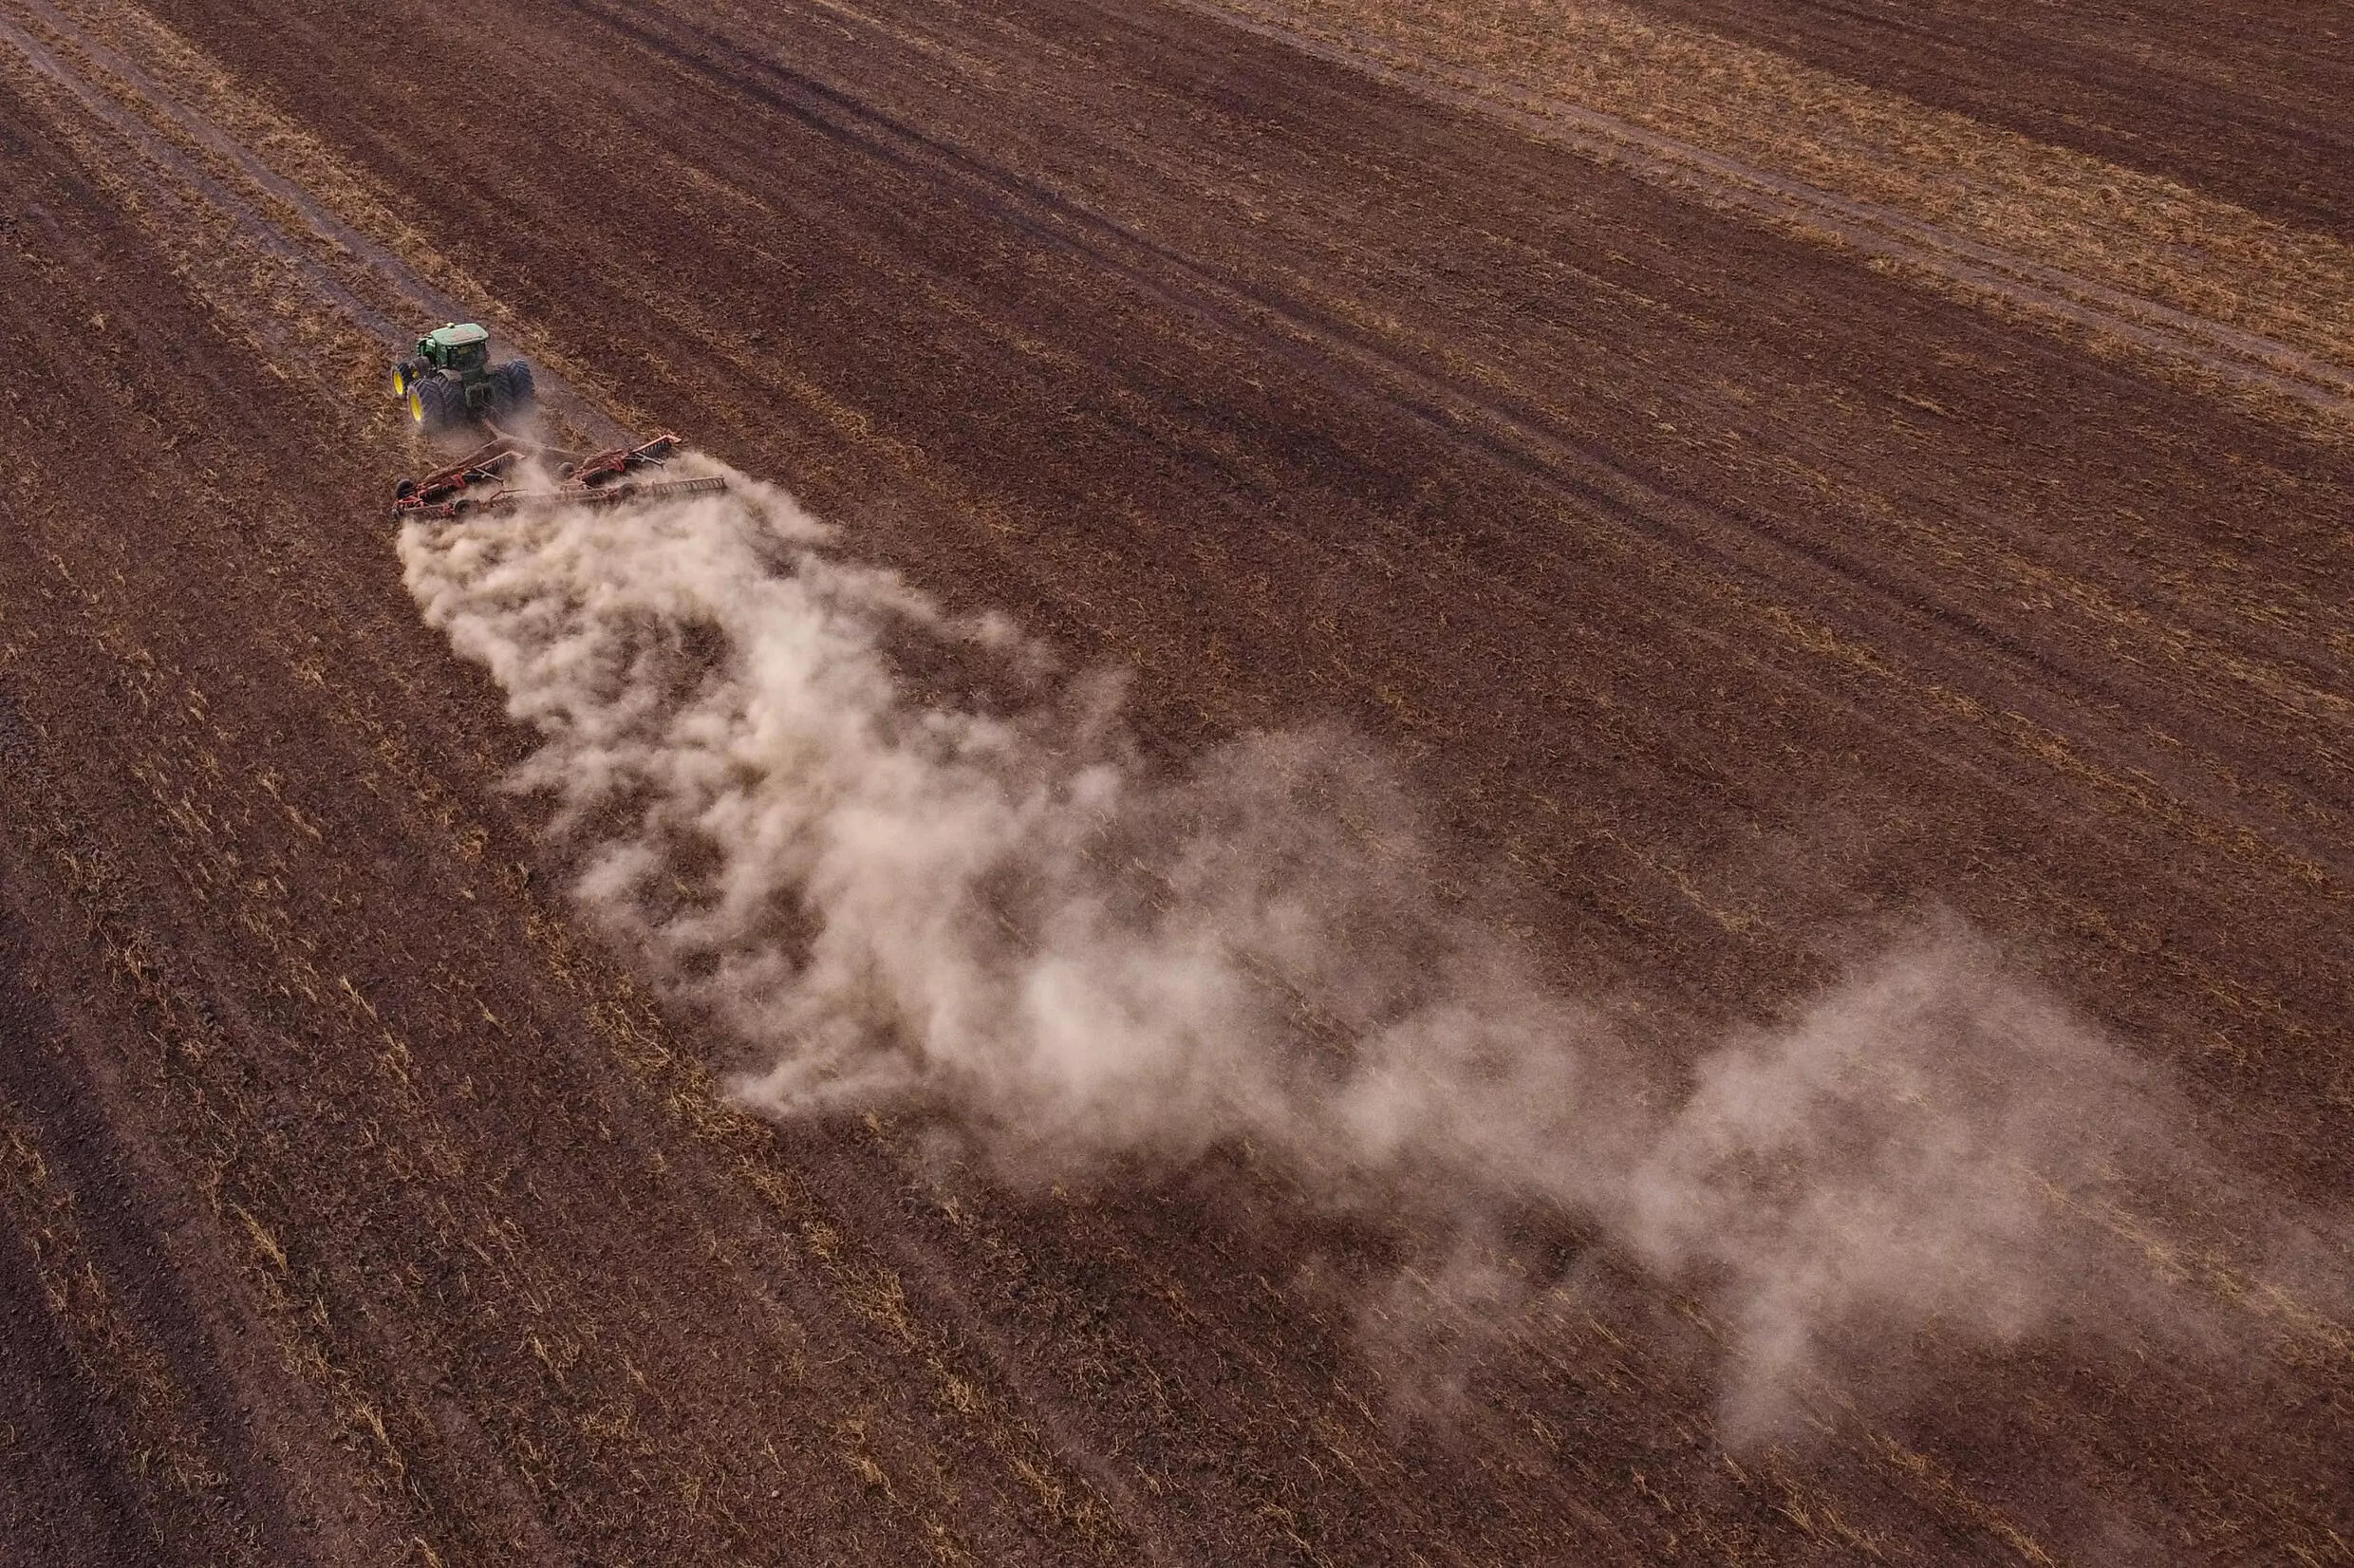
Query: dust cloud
x,y
1009,927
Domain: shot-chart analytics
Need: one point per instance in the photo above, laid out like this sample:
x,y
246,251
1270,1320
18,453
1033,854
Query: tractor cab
x,y
461,347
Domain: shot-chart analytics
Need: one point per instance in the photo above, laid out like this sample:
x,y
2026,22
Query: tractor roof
x,y
459,334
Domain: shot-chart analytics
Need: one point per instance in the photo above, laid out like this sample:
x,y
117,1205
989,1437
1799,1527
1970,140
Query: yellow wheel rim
x,y
400,383
416,406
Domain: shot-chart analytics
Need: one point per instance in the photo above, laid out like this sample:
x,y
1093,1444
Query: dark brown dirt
x,y
2248,101
1727,600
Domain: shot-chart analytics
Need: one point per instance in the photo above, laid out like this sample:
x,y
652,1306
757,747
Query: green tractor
x,y
450,381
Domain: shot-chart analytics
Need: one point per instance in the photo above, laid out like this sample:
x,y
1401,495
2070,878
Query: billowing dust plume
x,y
1072,962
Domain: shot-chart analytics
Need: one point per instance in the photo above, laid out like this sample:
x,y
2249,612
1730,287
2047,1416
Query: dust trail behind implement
x,y
1076,966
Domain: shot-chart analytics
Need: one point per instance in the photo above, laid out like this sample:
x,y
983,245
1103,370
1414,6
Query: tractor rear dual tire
x,y
436,406
513,393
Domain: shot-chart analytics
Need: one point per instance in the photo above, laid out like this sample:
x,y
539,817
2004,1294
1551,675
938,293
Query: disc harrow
x,y
480,483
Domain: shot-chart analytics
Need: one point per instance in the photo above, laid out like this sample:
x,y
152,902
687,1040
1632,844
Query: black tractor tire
x,y
513,393
436,406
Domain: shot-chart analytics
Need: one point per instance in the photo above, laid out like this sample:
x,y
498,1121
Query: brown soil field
x,y
1743,550
2245,101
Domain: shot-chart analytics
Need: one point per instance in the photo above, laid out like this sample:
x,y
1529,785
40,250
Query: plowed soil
x,y
1727,591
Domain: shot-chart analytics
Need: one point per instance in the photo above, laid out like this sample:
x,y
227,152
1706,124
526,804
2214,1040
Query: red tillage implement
x,y
478,483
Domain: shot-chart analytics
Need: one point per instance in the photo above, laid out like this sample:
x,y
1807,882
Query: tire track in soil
x,y
108,110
